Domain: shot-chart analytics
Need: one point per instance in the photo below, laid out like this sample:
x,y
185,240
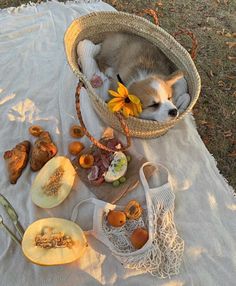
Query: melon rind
x,y
37,194
53,256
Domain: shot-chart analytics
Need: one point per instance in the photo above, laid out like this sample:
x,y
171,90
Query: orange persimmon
x,y
116,218
139,237
75,148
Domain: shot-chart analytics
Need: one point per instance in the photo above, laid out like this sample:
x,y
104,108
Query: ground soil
x,y
213,22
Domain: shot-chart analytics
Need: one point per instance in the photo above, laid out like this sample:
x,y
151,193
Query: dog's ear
x,y
171,80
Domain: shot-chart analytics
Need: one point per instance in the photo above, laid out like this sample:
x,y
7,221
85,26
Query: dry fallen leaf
x,y
231,44
206,123
233,59
221,83
202,122
211,73
233,154
206,140
159,3
228,35
228,133
231,76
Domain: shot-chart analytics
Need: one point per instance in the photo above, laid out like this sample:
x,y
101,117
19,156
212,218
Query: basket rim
x,y
147,23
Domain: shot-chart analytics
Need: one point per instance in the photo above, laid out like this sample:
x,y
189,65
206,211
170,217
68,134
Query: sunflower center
x,y
127,100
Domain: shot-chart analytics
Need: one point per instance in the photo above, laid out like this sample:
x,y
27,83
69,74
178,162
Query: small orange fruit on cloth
x,y
116,218
139,237
35,130
86,161
133,210
76,131
75,148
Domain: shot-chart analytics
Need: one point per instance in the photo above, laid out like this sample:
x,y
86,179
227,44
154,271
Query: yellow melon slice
x,y
53,183
53,241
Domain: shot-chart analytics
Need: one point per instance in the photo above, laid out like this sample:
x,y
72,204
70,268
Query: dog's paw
x,y
109,72
87,47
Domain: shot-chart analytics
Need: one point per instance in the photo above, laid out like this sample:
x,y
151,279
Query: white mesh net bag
x,y
162,254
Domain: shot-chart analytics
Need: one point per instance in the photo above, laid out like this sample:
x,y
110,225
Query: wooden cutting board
x,y
106,191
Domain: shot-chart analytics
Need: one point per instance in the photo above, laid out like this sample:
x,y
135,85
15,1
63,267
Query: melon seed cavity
x,y
54,183
50,239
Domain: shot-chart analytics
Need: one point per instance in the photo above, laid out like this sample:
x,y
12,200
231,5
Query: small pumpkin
x,y
53,241
133,210
86,161
116,218
53,183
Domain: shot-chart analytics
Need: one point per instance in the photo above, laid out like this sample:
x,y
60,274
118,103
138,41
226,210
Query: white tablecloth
x,y
37,87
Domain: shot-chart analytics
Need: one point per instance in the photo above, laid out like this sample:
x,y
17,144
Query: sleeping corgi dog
x,y
144,70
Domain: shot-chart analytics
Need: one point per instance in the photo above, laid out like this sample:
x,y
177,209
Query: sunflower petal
x,y
115,100
115,94
135,110
122,90
126,111
117,107
112,105
129,106
139,107
134,99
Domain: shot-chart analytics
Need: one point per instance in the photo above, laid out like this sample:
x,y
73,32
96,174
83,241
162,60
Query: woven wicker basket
x,y
93,26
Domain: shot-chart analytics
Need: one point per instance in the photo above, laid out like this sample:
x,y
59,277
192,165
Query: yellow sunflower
x,y
128,104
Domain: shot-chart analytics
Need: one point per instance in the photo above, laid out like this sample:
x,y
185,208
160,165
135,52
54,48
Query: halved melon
x,y
53,241
53,183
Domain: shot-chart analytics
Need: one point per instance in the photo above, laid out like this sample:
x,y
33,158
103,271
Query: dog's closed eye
x,y
155,104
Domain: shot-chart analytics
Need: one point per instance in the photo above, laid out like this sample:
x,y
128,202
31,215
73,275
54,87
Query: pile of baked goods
x,y
42,151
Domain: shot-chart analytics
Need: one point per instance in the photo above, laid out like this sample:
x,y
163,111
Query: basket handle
x,y
151,13
154,14
91,138
193,51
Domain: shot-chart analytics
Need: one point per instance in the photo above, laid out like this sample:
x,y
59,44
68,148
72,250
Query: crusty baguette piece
x,y
16,160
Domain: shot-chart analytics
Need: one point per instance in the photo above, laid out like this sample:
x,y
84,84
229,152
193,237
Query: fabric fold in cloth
x,y
37,86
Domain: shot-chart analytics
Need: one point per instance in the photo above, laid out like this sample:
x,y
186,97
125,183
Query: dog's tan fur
x,y
142,66
128,54
144,87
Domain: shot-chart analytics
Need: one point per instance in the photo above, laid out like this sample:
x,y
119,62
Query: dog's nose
x,y
173,112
